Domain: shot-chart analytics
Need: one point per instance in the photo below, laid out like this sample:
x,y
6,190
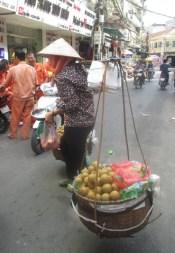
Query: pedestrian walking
x,y
77,103
23,77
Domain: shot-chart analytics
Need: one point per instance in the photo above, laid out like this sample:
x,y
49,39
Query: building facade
x,y
124,22
32,24
162,43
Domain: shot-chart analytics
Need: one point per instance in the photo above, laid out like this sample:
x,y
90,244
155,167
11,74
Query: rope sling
x,y
102,95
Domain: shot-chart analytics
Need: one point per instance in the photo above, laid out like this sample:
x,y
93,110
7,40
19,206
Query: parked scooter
x,y
4,112
138,78
45,103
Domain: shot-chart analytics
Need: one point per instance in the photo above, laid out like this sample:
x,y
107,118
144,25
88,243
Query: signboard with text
x,y
72,16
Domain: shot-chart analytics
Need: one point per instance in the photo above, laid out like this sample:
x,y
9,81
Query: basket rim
x,y
111,202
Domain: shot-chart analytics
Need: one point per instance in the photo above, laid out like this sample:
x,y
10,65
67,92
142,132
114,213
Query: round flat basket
x,y
114,219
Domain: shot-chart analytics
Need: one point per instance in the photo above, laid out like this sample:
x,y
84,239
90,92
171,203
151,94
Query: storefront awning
x,y
113,32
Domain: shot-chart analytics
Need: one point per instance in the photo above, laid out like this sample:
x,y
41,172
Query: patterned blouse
x,y
77,100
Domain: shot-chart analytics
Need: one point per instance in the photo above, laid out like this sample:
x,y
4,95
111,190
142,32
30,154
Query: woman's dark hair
x,y
20,54
3,64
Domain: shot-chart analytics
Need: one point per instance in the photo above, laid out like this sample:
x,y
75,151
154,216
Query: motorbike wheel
x,y
149,76
140,83
4,123
36,144
136,83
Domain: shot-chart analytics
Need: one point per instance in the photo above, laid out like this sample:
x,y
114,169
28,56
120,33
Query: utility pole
x,y
98,31
143,45
101,23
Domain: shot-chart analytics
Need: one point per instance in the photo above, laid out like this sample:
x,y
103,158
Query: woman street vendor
x,y
76,103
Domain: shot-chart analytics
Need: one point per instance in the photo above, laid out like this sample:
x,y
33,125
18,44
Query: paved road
x,y
35,213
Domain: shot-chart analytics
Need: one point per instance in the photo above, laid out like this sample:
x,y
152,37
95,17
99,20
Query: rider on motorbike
x,y
164,70
140,66
150,68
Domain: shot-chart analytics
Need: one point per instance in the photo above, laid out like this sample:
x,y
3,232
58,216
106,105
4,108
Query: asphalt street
x,y
35,213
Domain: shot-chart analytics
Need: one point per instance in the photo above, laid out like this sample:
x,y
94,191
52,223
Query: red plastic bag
x,y
49,139
130,172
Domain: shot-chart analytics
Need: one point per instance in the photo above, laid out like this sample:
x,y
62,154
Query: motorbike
x,y
130,72
4,112
45,103
150,73
163,82
138,78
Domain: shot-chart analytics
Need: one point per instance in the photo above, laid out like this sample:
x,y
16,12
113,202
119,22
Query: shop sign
x,y
65,15
28,11
97,37
10,5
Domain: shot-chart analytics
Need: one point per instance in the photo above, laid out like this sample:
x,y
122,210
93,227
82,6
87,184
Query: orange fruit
x,y
98,197
86,181
105,197
78,180
92,178
114,195
115,187
98,189
91,194
106,188
83,191
105,178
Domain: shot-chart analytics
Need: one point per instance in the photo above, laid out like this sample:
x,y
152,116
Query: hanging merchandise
x,y
49,137
114,199
96,73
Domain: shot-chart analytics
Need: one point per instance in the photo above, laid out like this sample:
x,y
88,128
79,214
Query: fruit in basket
x,y
84,190
106,188
84,170
96,182
98,189
98,197
105,197
86,179
105,178
91,195
115,187
78,180
84,175
114,195
92,178
91,168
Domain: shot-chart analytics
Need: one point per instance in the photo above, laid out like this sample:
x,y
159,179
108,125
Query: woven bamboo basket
x,y
114,219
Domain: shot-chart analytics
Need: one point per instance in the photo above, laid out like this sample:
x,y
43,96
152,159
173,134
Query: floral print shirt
x,y
77,100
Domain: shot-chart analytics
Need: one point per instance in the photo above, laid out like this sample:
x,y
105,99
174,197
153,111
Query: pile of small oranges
x,y
96,182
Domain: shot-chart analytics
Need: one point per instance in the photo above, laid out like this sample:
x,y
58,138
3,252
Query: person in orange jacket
x,y
24,81
41,73
4,67
50,70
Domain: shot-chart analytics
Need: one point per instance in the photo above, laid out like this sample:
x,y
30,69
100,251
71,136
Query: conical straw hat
x,y
60,47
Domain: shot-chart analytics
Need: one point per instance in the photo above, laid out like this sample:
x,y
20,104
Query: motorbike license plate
x,y
4,109
139,74
162,79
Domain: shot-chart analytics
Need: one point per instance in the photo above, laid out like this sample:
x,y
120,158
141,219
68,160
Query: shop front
x,y
28,39
31,25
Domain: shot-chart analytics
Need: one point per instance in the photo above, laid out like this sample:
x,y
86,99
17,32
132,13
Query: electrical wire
x,y
148,10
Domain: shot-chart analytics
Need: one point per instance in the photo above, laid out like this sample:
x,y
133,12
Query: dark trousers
x,y
73,146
